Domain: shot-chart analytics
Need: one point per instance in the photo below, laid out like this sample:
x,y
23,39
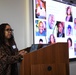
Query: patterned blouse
x,y
9,58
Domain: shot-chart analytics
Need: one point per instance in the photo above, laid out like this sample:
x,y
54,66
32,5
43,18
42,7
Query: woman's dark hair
x,y
69,39
2,34
53,38
69,27
40,40
68,9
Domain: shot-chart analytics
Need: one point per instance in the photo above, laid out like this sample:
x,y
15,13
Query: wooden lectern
x,y
50,60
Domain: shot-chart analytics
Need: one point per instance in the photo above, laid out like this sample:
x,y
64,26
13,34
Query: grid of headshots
x,y
55,24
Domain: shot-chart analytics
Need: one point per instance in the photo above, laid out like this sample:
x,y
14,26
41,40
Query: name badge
x,y
14,46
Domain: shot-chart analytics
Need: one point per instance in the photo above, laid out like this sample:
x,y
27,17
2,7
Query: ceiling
x,y
70,1
73,2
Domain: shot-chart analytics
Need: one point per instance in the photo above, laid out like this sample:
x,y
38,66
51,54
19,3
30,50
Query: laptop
x,y
35,47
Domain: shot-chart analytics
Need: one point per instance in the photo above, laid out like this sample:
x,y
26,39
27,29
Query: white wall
x,y
72,68
16,13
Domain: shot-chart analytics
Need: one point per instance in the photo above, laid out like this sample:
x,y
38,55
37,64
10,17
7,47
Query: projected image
x,y
41,28
40,9
75,23
52,39
51,21
40,41
69,40
69,16
55,22
69,31
75,48
60,29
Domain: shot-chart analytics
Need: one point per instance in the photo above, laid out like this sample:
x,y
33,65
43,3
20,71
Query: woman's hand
x,y
22,52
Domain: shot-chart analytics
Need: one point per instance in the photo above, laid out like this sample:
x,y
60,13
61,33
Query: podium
x,y
50,60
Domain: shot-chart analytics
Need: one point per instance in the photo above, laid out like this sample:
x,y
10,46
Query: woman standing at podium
x,y
9,55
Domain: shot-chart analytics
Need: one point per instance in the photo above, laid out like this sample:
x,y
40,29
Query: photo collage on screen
x,y
55,22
